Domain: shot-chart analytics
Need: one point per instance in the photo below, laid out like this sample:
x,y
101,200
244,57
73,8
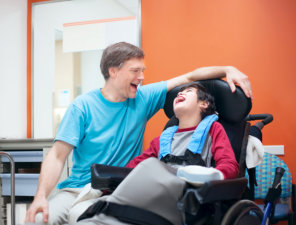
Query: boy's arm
x,y
152,151
233,76
223,153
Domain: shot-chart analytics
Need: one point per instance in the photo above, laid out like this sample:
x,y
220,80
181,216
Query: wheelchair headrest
x,y
232,107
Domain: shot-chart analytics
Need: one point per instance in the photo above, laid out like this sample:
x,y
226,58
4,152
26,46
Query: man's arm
x,y
50,173
233,76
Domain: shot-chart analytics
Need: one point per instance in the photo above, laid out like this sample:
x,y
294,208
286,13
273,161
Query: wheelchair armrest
x,y
218,190
221,190
106,177
210,192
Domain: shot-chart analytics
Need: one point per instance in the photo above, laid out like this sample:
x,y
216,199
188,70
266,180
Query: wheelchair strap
x,y
189,158
130,214
252,183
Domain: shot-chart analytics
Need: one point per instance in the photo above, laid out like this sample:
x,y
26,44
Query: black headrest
x,y
232,107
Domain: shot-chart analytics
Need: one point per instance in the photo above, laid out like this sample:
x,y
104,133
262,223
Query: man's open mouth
x,y
134,85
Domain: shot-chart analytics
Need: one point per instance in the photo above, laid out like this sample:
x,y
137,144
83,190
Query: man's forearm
x,y
50,173
52,168
233,77
210,72
202,73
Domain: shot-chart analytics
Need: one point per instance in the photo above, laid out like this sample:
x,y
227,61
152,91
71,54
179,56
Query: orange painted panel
x,y
29,108
99,21
29,65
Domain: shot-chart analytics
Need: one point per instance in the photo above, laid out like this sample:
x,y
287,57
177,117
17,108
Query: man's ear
x,y
113,72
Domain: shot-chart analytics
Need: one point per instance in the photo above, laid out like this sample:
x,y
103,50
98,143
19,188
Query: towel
x,y
197,141
255,152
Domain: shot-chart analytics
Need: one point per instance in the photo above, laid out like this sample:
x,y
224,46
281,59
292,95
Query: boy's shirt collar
x,y
187,129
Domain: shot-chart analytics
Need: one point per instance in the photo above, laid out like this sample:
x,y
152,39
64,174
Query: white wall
x,y
13,75
91,76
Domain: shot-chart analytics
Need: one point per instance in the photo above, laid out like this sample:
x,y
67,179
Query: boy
x,y
194,107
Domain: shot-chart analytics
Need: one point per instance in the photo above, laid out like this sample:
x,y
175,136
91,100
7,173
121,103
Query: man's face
x,y
187,103
127,78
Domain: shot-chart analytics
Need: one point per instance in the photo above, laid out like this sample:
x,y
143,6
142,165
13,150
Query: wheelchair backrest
x,y
232,109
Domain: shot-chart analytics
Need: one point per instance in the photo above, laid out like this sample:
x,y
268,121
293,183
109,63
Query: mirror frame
x,y
30,46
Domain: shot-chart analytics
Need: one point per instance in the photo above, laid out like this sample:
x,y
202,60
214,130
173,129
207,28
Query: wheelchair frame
x,y
233,108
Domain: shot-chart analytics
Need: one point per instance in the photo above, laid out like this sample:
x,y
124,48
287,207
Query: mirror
x,y
68,38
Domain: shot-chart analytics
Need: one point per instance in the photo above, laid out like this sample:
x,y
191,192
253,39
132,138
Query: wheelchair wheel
x,y
243,212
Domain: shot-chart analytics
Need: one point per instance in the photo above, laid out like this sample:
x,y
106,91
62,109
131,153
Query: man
x,y
106,126
195,142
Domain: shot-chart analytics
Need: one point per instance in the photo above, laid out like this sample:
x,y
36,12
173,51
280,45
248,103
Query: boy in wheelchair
x,y
150,193
197,140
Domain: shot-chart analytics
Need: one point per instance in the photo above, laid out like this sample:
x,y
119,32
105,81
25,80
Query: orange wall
x,y
258,37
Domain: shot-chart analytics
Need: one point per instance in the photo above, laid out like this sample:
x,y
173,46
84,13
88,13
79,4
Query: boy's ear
x,y
204,104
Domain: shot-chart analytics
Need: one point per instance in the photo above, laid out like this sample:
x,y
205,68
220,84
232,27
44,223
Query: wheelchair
x,y
225,202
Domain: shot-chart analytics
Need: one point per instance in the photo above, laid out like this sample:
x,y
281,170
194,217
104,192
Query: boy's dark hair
x,y
115,56
203,95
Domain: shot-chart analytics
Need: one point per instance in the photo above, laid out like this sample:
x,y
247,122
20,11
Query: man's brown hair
x,y
117,54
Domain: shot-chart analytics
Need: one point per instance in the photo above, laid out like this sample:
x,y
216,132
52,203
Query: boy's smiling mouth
x,y
180,99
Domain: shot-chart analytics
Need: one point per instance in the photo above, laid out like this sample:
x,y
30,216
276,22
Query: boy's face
x,y
187,103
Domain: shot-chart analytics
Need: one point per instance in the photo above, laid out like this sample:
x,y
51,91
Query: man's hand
x,y
38,205
234,76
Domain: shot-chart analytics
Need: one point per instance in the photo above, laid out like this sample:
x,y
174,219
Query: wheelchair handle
x,y
279,172
265,119
273,195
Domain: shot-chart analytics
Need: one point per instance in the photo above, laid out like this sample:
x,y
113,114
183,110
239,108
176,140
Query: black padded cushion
x,y
232,107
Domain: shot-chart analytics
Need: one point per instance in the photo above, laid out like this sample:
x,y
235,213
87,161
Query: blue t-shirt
x,y
107,132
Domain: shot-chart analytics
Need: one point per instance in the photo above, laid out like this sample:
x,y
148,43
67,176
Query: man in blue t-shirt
x,y
106,126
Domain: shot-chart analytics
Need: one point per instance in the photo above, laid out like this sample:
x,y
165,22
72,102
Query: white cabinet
x,y
28,155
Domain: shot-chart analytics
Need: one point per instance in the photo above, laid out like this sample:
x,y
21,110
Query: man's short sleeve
x,y
71,129
154,95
